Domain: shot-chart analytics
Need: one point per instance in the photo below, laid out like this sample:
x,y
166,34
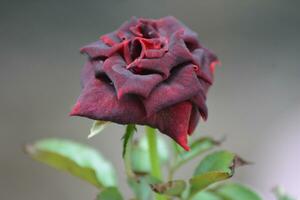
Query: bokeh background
x,y
255,101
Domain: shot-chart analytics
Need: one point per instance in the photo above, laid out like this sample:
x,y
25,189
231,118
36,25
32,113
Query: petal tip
x,y
75,110
187,148
183,142
82,50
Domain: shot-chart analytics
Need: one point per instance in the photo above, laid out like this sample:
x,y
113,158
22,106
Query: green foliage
x,y
217,161
77,159
141,186
140,158
171,188
97,128
197,148
213,168
231,191
130,130
88,164
110,193
234,191
206,195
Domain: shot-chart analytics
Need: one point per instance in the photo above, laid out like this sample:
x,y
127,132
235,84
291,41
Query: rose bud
x,y
148,72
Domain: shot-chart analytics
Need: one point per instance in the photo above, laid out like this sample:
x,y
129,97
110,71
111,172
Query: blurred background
x,y
255,101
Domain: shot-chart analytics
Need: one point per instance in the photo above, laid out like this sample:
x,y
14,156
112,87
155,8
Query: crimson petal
x,y
126,82
174,122
181,85
98,101
87,72
204,58
194,119
199,101
100,49
177,54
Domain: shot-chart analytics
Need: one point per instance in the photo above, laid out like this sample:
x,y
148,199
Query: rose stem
x,y
154,158
127,158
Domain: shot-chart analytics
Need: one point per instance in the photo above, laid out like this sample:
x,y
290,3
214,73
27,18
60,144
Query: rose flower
x,y
148,72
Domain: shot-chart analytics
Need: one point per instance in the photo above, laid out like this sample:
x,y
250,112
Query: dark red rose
x,y
148,72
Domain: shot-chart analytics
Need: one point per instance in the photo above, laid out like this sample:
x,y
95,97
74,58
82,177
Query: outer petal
x,y
182,85
205,85
100,49
191,39
111,39
174,122
199,101
168,25
98,101
204,58
194,119
87,72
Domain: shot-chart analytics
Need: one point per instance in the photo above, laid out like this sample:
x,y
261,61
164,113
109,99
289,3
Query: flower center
x,y
136,49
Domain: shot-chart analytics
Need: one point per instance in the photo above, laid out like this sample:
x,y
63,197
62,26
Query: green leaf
x,y
281,194
130,130
230,191
234,191
110,193
140,163
97,128
77,159
214,167
196,148
140,159
206,195
200,182
171,188
141,186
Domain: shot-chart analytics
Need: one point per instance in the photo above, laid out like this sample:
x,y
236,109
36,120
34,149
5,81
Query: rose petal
x,y
181,85
191,39
194,119
87,72
174,122
199,101
203,58
145,28
168,25
126,82
98,101
177,54
154,53
111,39
100,49
124,32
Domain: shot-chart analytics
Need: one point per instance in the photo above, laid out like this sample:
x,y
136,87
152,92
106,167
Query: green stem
x,y
154,158
127,158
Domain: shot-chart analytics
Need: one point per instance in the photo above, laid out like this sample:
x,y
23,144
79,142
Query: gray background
x,y
255,101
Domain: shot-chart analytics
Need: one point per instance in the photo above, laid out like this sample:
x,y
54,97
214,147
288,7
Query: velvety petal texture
x,y
149,72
